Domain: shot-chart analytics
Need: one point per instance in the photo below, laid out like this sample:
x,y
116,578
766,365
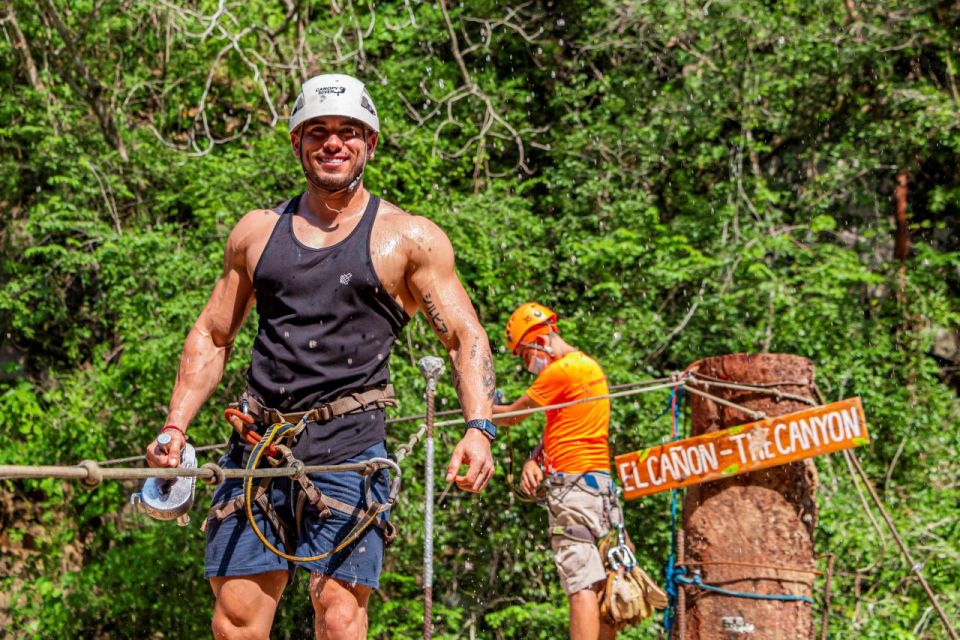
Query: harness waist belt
x,y
597,480
351,402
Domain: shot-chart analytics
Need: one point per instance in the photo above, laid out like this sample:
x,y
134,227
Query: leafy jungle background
x,y
677,178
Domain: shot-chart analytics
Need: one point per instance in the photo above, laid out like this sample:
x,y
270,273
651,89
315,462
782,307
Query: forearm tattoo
x,y
433,314
488,375
457,386
489,378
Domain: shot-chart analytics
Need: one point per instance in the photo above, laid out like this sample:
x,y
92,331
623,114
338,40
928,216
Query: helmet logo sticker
x,y
366,104
299,104
322,91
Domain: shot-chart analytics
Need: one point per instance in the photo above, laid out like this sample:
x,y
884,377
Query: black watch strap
x,y
489,429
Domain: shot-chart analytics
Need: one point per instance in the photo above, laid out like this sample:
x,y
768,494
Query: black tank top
x,y
326,327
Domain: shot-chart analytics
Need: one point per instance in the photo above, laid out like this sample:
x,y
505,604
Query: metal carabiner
x,y
394,481
621,556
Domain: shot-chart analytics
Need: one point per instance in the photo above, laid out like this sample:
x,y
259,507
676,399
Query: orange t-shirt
x,y
575,440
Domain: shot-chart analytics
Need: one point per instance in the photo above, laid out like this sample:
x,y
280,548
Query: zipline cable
x,y
90,473
915,567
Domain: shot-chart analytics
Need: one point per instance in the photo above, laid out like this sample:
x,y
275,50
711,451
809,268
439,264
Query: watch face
x,y
486,426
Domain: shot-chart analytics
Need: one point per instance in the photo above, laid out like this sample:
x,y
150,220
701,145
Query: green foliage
x,y
677,180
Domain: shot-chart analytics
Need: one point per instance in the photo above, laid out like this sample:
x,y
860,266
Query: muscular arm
x,y
210,341
431,279
443,300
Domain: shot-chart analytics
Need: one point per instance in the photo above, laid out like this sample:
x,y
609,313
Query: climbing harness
x,y
350,402
628,595
309,493
245,413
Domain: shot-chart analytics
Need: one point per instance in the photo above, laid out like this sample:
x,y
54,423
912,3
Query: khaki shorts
x,y
572,501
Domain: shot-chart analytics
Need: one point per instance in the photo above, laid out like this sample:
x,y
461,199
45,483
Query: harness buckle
x,y
325,412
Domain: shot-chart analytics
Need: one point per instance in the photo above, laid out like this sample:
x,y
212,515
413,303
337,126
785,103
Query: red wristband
x,y
182,431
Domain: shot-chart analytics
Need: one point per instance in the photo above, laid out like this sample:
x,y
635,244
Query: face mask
x,y
537,364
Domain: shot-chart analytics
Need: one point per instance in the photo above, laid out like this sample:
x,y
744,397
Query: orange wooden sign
x,y
748,447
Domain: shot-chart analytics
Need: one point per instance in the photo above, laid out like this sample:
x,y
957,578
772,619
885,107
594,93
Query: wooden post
x,y
763,518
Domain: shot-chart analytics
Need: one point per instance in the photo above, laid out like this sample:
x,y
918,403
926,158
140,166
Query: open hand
x,y
473,450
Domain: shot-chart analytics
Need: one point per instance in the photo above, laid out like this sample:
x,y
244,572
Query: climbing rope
x,y
287,430
696,581
675,602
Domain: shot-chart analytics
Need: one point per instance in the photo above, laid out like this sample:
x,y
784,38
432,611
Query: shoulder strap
x,y
292,204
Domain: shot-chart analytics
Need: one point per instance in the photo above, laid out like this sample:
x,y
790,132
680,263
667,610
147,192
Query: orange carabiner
x,y
241,422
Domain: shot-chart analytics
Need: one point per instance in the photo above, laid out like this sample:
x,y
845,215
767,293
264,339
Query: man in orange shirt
x,y
575,454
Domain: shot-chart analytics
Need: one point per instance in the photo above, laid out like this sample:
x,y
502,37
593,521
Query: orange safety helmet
x,y
524,320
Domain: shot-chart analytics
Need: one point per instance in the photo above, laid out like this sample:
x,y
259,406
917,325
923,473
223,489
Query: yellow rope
x,y
362,524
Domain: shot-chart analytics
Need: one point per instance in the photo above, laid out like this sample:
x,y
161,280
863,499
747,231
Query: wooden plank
x,y
748,447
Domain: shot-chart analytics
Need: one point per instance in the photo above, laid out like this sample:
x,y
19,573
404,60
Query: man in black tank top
x,y
335,274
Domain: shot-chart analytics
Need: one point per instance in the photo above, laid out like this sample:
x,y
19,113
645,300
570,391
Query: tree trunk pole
x,y
763,518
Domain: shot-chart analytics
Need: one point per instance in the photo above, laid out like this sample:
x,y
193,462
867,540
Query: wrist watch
x,y
486,426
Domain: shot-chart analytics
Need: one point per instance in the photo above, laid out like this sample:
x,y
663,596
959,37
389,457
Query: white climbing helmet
x,y
334,94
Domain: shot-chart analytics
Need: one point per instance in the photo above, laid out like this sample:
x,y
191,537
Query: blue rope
x,y
670,572
662,413
697,581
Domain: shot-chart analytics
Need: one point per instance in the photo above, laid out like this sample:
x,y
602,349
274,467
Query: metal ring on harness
x,y
377,464
621,555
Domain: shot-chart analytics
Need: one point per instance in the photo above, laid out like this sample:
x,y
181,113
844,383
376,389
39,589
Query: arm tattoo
x,y
433,314
489,378
456,382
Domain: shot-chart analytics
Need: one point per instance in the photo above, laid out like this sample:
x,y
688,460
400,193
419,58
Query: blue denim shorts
x,y
233,548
